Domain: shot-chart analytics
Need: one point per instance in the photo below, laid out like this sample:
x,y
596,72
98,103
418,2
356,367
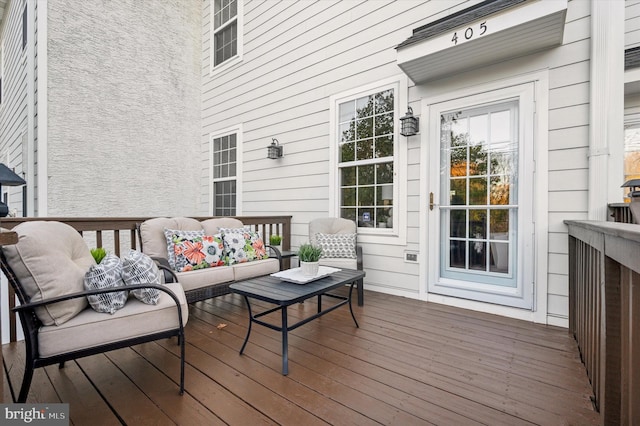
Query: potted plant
x,y
98,254
276,241
309,256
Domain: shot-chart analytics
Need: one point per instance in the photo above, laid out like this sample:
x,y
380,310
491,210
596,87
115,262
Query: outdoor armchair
x,y
58,324
338,239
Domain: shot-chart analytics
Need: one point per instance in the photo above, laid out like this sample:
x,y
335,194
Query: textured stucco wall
x,y
124,107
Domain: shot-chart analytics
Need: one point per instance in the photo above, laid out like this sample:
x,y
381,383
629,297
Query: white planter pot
x,y
309,269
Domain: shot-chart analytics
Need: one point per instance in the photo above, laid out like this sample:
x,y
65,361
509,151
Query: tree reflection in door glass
x,y
481,163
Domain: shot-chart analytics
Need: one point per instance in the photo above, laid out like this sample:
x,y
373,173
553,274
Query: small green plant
x,y
98,254
309,253
275,239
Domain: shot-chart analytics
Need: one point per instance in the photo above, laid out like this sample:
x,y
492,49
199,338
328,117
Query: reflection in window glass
x,y
366,132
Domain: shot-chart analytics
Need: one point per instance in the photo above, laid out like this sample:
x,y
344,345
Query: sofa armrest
x,y
163,265
277,253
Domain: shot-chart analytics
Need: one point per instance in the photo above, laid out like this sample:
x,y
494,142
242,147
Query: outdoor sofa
x,y
235,253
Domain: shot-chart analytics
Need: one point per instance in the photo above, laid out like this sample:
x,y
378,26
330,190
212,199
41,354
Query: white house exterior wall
x,y
13,111
123,107
298,54
632,23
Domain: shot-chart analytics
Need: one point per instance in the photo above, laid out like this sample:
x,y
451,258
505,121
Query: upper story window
x,y
366,157
227,31
224,150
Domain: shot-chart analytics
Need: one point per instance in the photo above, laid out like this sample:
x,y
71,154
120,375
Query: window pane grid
x,y
366,149
224,173
225,23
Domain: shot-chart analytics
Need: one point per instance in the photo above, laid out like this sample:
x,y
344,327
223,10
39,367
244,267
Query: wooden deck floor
x,y
410,362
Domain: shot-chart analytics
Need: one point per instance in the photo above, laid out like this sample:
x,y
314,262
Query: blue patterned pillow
x,y
337,245
107,274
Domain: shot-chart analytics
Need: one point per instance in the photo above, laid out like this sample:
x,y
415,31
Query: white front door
x,y
481,197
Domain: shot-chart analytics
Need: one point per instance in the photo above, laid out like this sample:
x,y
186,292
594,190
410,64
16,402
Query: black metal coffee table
x,y
283,294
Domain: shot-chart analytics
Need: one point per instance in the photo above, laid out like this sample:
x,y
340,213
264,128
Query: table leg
x,y
246,339
350,307
319,303
285,342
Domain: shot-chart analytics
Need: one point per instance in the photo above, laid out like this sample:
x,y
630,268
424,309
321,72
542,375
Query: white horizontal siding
x,y
13,111
298,54
631,24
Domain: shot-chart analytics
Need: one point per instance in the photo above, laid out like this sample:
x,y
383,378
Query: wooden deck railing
x,y
117,234
604,308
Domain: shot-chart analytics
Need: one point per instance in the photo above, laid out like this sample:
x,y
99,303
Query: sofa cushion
x,y
198,278
137,269
212,226
243,271
50,259
89,328
337,245
202,252
243,246
107,274
152,238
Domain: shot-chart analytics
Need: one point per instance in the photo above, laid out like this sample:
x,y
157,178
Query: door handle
x,y
431,201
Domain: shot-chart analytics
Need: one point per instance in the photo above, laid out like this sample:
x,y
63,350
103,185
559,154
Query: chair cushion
x,y
51,259
107,274
138,268
154,242
342,263
337,245
330,225
90,328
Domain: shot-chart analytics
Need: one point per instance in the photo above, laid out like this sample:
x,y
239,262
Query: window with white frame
x,y
227,27
366,155
224,149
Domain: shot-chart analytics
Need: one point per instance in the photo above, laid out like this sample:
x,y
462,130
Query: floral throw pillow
x,y
200,252
243,245
176,236
337,245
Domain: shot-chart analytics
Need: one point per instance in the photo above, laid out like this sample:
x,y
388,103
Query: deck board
x,y
410,362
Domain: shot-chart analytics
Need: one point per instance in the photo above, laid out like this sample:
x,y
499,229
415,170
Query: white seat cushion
x,y
198,278
342,263
243,271
90,328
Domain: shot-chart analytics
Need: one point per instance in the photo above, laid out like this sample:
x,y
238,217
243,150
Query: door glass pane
x,y
478,196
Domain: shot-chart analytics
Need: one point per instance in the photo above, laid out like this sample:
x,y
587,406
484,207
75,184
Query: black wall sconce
x,y
9,178
409,125
274,150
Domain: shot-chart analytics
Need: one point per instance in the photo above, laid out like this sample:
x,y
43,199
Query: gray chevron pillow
x,y
138,268
337,245
107,274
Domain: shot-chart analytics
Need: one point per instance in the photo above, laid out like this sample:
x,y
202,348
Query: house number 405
x,y
469,33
